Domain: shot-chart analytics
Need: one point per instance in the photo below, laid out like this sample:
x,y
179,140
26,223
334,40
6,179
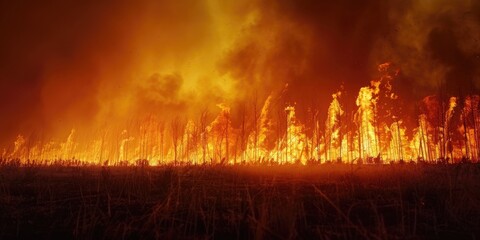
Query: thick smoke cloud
x,y
436,44
67,64
81,64
312,45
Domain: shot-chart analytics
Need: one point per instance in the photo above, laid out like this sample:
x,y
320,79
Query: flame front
x,y
373,133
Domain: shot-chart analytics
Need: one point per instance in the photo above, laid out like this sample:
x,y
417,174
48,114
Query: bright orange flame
x,y
376,133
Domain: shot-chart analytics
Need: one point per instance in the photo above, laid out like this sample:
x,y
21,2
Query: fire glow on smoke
x,y
241,82
373,131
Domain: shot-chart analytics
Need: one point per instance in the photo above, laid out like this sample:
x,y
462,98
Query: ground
x,y
328,201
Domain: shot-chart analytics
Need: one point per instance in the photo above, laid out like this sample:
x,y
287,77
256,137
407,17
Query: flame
x,y
19,143
364,118
294,139
375,132
332,129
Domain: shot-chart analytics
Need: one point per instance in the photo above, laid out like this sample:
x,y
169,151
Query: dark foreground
x,y
282,202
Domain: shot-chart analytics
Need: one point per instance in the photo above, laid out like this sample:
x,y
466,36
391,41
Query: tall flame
x,y
375,132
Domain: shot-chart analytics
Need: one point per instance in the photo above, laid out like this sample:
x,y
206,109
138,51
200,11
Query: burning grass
x,y
235,202
377,129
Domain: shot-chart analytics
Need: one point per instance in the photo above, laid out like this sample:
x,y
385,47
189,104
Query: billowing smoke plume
x,y
436,44
78,64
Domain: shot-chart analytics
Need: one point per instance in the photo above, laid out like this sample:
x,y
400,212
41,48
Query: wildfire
x,y
373,133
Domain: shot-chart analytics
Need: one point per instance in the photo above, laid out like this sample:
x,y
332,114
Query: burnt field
x,y
329,201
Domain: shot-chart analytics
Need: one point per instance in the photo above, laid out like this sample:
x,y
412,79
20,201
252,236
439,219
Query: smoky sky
x,y
72,64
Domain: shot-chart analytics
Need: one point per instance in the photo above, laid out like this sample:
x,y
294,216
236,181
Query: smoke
x,y
312,45
436,44
70,64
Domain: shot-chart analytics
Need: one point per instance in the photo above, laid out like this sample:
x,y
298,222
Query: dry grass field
x,y
328,201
